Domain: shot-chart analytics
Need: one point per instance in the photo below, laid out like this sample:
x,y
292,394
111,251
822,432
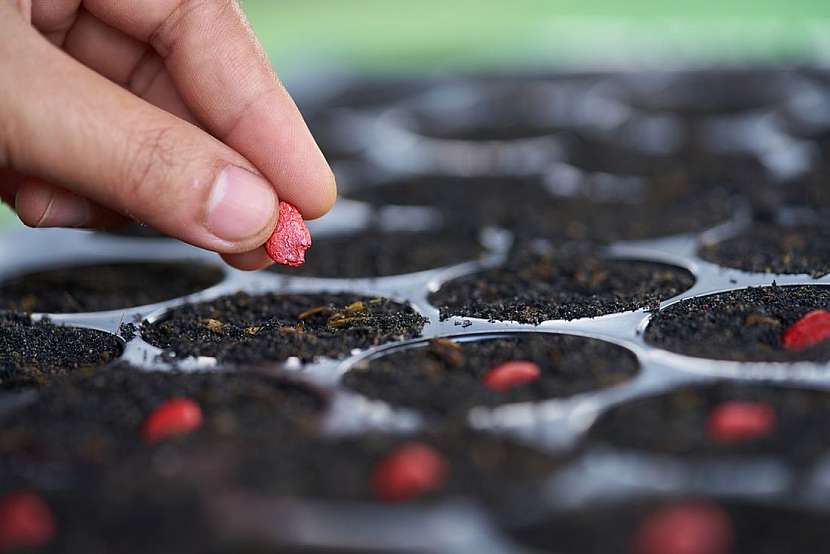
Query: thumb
x,y
65,124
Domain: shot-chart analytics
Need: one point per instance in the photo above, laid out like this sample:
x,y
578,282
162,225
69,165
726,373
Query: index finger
x,y
225,78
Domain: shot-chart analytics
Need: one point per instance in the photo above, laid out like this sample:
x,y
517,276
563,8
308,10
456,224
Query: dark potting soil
x,y
675,423
274,327
769,248
96,419
539,284
79,445
92,288
744,325
342,469
605,209
33,353
612,527
376,253
446,377
710,92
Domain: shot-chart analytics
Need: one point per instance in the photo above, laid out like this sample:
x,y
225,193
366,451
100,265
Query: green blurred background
x,y
307,37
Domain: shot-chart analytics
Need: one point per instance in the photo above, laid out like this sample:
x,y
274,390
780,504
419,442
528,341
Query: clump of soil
x,y
376,253
602,208
446,377
675,423
745,325
539,284
613,526
92,288
33,353
770,248
274,327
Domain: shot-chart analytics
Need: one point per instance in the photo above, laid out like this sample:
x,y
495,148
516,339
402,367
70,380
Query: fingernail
x,y
55,208
67,210
241,205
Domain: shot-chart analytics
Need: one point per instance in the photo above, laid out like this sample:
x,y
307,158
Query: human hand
x,y
167,112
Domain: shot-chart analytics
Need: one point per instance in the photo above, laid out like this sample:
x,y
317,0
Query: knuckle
x,y
187,12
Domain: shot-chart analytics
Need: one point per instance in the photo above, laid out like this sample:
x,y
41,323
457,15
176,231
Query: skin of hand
x,y
167,112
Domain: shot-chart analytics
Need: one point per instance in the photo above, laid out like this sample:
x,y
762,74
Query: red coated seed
x,y
510,375
735,421
175,417
808,331
688,528
291,238
411,470
25,521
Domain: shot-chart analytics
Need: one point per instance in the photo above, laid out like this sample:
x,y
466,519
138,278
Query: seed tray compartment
x,y
556,427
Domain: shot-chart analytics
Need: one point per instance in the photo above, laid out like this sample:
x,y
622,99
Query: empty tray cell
x,y
449,376
539,284
771,248
274,327
746,325
380,253
99,287
33,353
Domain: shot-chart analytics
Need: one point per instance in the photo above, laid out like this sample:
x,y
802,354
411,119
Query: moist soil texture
x,y
446,377
93,288
675,423
602,208
32,353
745,325
755,528
769,248
539,284
274,327
377,253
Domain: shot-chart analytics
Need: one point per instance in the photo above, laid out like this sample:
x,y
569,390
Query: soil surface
x,y
602,208
274,327
539,284
444,377
93,288
32,353
768,248
377,253
96,418
479,465
756,529
675,423
744,325
79,446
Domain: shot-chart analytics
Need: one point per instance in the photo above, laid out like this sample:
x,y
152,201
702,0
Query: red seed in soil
x,y
412,470
510,375
736,421
25,521
808,331
291,238
175,417
688,528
